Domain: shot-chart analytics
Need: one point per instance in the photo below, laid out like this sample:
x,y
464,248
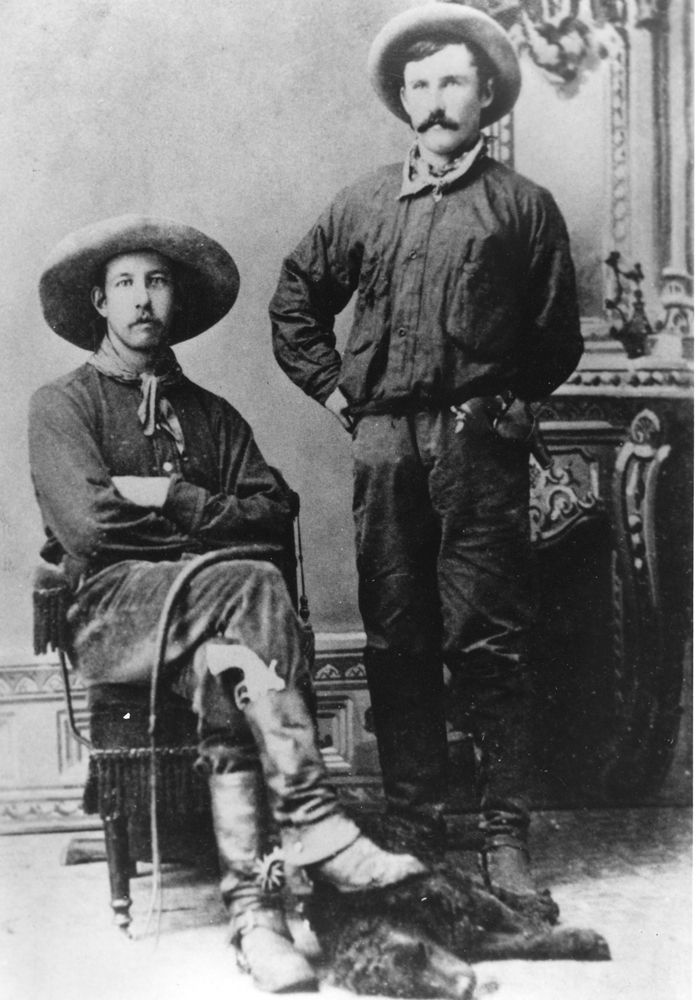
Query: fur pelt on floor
x,y
416,939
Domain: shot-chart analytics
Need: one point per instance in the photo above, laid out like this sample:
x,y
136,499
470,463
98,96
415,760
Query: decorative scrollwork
x,y
646,430
564,38
327,672
645,734
640,378
343,667
636,471
620,166
675,328
562,495
634,329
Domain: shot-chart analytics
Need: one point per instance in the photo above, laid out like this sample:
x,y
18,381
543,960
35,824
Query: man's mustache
x,y
148,320
437,118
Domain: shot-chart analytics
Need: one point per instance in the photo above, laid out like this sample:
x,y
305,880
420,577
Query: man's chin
x,y
444,143
147,340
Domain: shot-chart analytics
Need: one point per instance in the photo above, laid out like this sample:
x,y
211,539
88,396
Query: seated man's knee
x,y
263,575
244,582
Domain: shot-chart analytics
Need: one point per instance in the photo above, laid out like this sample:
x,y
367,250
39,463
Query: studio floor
x,y
626,873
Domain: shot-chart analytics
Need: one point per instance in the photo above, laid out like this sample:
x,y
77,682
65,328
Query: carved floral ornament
x,y
568,38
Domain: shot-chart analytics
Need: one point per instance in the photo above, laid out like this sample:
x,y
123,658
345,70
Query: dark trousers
x,y
444,561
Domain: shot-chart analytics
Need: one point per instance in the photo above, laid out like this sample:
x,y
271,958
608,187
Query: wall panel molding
x,y
43,768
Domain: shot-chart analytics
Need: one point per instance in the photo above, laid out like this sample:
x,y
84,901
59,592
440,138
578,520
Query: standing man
x,y
136,468
466,311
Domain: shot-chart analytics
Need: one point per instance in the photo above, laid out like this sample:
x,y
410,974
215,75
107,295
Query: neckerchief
x,y
155,409
418,174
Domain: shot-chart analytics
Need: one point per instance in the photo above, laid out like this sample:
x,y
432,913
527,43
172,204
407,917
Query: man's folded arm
x,y
250,504
81,505
95,522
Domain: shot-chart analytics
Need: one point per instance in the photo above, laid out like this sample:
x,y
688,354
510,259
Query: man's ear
x,y
404,102
98,299
487,93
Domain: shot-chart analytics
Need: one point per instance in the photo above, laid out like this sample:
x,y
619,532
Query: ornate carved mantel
x,y
614,512
647,186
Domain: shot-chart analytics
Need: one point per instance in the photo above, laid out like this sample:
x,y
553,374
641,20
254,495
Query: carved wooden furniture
x,y
612,525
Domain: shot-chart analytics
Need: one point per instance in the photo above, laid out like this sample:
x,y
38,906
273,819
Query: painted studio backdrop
x,y
244,118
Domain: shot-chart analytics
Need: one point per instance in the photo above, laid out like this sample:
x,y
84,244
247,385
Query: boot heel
x,y
506,871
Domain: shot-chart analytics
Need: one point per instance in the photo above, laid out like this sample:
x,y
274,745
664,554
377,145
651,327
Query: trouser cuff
x,y
265,914
311,844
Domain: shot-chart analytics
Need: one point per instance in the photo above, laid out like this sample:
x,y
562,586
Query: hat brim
x,y
209,281
461,24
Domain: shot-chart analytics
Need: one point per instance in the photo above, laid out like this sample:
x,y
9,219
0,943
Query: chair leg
x,y
120,869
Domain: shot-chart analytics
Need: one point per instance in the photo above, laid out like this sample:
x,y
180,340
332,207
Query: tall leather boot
x,y
408,715
317,835
258,928
506,861
501,709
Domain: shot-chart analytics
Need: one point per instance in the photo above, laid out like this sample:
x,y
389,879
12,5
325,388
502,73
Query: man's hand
x,y
338,405
477,415
517,423
145,491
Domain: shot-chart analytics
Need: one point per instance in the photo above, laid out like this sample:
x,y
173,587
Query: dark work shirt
x,y
84,429
468,293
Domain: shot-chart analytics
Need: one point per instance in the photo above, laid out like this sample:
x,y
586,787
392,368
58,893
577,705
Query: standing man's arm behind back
x,y
316,283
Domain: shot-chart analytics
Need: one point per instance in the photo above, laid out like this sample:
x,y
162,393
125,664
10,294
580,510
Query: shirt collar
x,y
417,176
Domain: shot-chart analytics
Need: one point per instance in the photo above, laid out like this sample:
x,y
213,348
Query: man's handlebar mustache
x,y
436,118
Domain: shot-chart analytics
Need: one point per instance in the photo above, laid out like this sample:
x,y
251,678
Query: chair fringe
x,y
50,617
118,784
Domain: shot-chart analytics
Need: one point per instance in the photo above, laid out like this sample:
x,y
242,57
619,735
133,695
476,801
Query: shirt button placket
x,y
413,255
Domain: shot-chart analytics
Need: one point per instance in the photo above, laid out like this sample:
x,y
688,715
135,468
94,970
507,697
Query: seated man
x,y
136,468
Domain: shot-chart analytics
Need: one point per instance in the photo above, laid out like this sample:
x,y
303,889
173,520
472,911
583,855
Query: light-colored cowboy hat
x,y
462,24
209,285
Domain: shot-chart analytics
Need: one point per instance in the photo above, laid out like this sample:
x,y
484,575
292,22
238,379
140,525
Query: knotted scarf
x,y
418,174
155,409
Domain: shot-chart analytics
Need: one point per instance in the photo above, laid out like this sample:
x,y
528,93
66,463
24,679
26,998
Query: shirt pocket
x,y
481,306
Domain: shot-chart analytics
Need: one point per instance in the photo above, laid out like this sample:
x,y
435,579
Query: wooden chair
x,y
125,762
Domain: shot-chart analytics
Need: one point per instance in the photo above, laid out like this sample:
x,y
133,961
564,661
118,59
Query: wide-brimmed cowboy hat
x,y
207,286
449,20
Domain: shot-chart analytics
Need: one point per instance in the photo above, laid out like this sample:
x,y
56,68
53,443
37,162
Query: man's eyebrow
x,y
442,79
